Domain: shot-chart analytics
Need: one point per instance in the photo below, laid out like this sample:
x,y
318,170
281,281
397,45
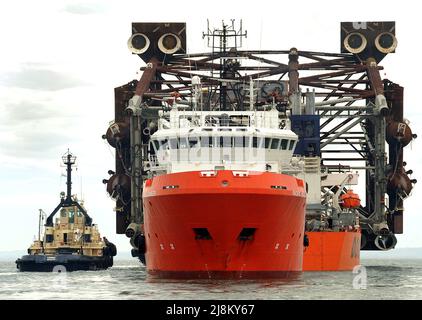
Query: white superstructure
x,y
222,140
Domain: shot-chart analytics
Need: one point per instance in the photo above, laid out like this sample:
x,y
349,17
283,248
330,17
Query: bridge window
x,y
173,143
225,142
257,142
206,142
247,142
267,142
275,143
183,143
227,121
283,145
239,121
239,142
71,216
292,143
163,144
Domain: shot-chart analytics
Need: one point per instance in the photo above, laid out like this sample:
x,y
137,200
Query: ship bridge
x,y
212,140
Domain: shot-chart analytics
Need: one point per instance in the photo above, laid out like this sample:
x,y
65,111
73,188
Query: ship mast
x,y
225,42
69,160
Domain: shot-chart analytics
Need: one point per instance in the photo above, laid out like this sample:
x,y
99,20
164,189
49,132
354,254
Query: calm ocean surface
x,y
386,279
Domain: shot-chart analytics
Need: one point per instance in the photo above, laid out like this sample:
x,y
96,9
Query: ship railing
x,y
154,165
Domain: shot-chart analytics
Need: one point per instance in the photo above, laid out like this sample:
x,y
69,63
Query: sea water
x,y
375,279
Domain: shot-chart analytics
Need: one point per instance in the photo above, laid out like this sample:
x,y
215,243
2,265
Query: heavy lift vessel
x,y
343,121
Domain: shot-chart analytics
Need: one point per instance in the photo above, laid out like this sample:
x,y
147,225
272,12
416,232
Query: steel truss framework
x,y
352,122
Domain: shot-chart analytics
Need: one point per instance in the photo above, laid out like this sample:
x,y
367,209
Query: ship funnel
x,y
138,43
355,42
386,42
169,43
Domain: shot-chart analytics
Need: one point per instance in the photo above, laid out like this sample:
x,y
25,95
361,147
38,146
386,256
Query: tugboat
x,y
73,242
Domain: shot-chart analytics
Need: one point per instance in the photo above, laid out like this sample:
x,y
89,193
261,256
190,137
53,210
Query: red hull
x,y
332,251
177,205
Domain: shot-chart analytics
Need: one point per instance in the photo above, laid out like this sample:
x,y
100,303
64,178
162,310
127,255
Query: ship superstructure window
x,y
225,120
225,142
241,142
239,121
222,142
292,143
183,143
163,144
173,143
71,216
283,145
257,142
275,143
206,142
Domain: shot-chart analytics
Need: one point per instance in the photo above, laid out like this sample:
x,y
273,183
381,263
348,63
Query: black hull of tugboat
x,y
63,263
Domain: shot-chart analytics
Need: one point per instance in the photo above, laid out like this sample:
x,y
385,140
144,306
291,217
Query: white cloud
x,y
39,79
95,7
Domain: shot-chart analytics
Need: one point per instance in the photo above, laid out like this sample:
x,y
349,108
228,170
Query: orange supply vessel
x,y
224,222
217,203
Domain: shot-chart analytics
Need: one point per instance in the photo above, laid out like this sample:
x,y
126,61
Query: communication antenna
x,y
224,43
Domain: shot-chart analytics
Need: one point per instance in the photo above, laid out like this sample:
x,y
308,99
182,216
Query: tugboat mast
x,y
69,160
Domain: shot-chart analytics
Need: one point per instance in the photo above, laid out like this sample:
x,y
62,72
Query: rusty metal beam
x,y
293,71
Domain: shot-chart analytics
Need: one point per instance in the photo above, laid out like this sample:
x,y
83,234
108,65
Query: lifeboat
x,y
350,199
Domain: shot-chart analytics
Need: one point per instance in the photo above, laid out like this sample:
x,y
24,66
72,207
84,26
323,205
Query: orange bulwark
x,y
224,222
332,251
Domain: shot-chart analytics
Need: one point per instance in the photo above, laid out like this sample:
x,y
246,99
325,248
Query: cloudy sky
x,y
60,61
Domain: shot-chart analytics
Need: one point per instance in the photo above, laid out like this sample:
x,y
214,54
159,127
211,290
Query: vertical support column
x,y
293,71
136,214
294,94
379,156
136,149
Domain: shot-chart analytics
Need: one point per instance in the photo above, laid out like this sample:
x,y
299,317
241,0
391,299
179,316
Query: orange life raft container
x,y
350,199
